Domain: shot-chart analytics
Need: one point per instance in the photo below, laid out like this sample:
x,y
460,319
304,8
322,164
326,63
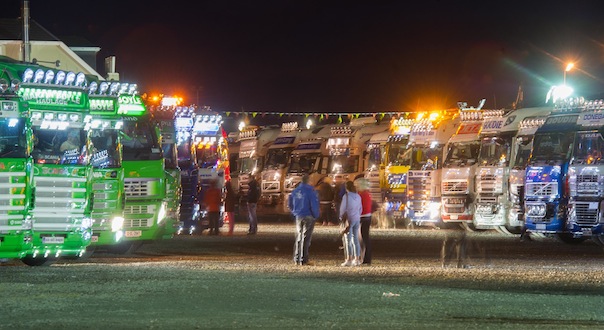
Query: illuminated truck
x,y
308,157
377,160
234,143
546,190
146,206
586,174
397,168
277,161
108,174
16,175
498,135
165,117
253,146
428,136
212,153
62,173
522,146
461,154
189,171
347,147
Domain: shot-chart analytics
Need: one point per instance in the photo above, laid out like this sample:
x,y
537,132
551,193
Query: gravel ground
x,y
250,281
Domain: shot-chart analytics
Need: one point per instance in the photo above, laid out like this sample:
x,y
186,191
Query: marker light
x,y
113,88
49,76
38,76
70,78
3,85
132,89
28,74
80,79
123,88
60,78
93,87
103,87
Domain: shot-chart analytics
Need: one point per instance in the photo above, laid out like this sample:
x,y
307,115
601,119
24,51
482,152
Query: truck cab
x,y
497,137
397,168
253,146
461,155
429,134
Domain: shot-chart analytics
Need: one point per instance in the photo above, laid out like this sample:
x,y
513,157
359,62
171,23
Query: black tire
x,y
514,230
124,247
569,239
37,261
599,239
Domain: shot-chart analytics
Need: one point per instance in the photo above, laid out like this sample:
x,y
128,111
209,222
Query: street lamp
x,y
569,67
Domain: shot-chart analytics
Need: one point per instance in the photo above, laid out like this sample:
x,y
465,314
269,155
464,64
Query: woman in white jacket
x,y
352,207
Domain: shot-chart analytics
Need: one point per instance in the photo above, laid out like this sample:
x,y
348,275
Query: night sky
x,y
339,56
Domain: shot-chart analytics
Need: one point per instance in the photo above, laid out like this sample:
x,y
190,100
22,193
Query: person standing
x,y
326,199
212,200
253,195
303,202
352,207
230,200
363,189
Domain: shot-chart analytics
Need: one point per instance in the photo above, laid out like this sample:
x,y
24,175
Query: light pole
x,y
569,67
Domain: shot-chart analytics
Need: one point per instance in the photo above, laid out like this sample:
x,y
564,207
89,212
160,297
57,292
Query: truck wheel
x,y
513,230
125,247
37,261
569,239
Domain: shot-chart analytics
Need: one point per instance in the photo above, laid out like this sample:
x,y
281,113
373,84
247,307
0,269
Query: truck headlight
x,y
86,223
117,224
162,213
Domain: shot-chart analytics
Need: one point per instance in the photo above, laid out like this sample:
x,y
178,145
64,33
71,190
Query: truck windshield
x,y
53,146
207,156
344,164
551,148
140,141
185,154
462,153
105,149
495,151
396,155
12,138
303,163
425,158
523,146
170,157
248,165
277,158
588,148
376,154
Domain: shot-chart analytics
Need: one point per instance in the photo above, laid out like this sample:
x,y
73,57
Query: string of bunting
x,y
322,116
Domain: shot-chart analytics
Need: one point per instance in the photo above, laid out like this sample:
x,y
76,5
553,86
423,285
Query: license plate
x,y
53,240
586,231
133,233
540,226
94,239
454,217
397,213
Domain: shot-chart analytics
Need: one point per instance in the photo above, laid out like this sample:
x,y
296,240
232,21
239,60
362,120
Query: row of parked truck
x,y
88,164
534,169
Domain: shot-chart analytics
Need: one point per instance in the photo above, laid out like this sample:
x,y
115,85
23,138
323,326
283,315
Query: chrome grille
x,y
542,189
137,188
12,191
455,187
586,215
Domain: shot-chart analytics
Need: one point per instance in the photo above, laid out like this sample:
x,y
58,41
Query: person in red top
x,y
212,199
363,190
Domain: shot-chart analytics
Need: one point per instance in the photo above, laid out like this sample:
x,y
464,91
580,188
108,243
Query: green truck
x,y
46,172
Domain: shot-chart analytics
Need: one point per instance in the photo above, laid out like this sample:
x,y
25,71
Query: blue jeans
x,y
253,219
304,229
352,249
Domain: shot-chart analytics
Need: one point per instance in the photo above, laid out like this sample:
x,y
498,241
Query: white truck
x,y
347,148
497,138
310,157
585,175
276,162
428,137
377,160
461,154
253,145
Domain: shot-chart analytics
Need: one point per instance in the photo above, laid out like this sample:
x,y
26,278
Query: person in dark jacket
x,y
253,195
230,201
303,202
326,199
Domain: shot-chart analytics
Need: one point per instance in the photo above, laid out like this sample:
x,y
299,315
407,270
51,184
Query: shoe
x,y
355,263
346,263
307,263
251,233
325,223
